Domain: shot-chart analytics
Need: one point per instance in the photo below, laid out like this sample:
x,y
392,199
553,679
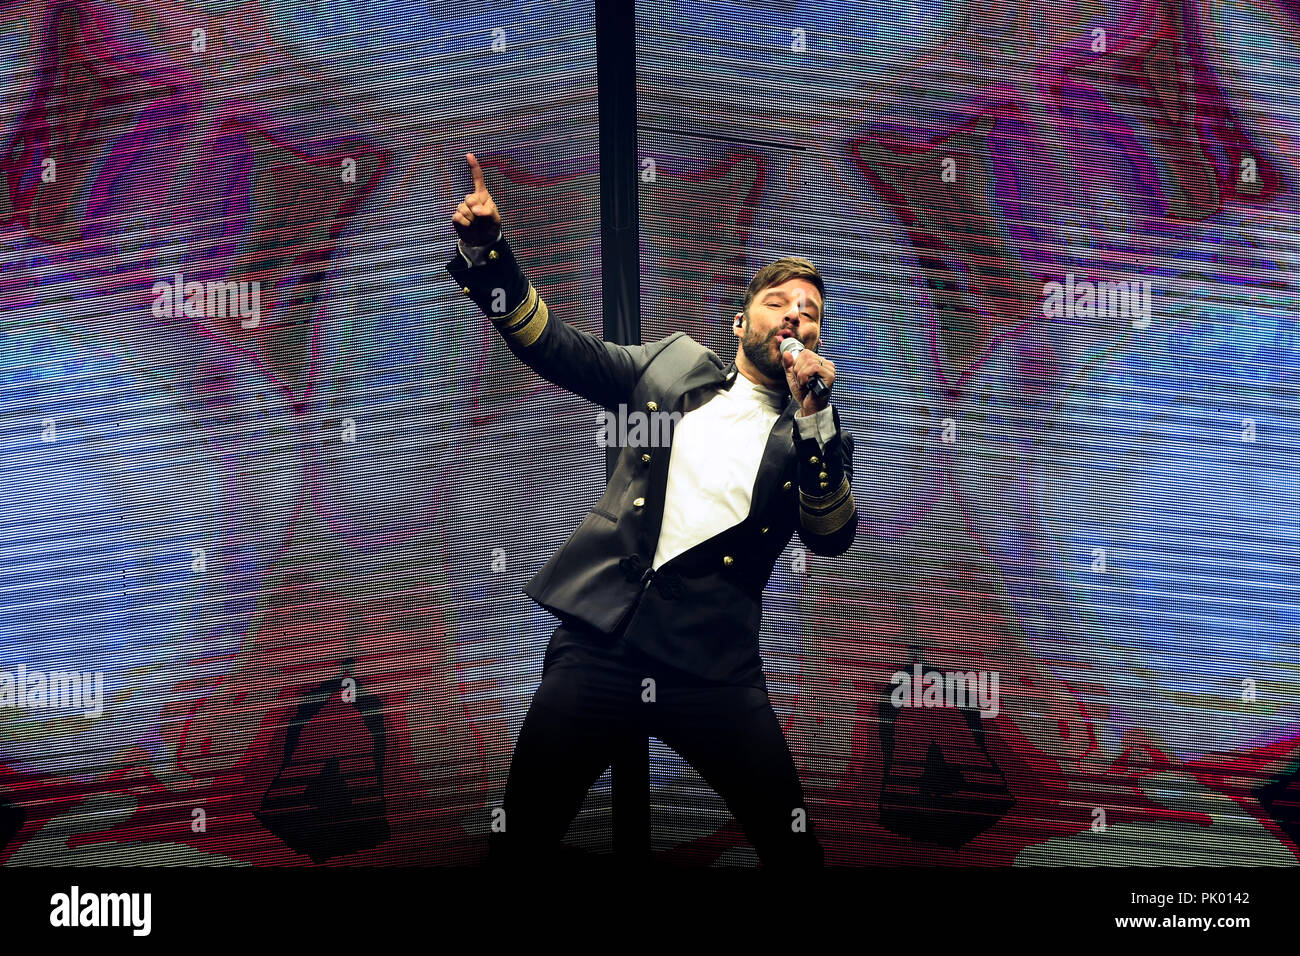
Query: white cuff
x,y
820,425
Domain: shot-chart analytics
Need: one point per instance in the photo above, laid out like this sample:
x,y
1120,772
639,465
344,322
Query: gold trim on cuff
x,y
826,514
524,324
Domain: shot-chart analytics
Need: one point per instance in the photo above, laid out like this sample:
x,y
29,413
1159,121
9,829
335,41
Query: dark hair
x,y
783,270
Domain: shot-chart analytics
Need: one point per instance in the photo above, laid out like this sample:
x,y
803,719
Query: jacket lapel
x,y
776,457
700,375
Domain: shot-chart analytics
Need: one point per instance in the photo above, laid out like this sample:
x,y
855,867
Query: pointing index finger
x,y
479,185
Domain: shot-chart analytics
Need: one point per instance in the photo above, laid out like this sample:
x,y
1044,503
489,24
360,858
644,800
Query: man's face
x,y
792,308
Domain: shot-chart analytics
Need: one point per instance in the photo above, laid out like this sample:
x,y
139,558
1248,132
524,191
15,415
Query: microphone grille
x,y
791,344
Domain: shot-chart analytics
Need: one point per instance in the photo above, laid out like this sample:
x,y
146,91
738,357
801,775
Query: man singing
x,y
659,590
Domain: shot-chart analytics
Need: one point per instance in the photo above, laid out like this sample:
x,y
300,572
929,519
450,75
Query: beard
x,y
758,349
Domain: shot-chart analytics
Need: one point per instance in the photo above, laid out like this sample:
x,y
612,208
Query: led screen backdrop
x,y
290,534
288,525
1091,496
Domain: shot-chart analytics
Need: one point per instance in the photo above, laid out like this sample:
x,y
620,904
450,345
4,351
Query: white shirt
x,y
716,452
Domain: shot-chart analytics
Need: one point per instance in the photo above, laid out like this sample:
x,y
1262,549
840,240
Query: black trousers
x,y
596,690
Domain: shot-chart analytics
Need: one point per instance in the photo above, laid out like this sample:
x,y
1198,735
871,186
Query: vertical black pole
x,y
620,262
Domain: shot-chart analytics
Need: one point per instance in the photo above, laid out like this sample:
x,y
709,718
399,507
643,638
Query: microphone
x,y
815,384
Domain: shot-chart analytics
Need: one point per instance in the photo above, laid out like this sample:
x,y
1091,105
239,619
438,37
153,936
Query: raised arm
x,y
486,269
828,516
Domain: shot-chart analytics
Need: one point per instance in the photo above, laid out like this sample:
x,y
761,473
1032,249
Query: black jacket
x,y
701,610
